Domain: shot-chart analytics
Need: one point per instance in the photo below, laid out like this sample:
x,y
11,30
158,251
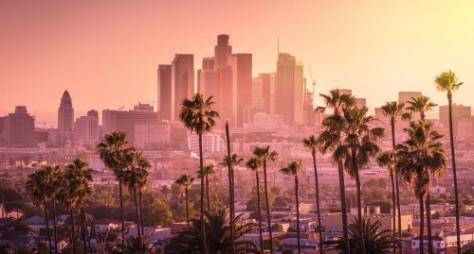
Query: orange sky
x,y
106,52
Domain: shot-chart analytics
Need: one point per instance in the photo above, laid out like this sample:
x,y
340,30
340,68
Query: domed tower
x,y
65,113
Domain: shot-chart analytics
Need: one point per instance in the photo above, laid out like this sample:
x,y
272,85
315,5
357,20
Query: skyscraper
x,y
222,51
19,128
459,113
182,82
241,65
65,113
86,128
164,91
289,91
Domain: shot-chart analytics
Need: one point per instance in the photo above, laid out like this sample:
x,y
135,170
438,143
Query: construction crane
x,y
312,79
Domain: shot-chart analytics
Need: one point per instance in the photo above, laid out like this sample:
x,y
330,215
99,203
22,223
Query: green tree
x,y
264,154
198,116
393,110
112,151
419,156
331,138
449,82
254,164
312,144
292,169
185,181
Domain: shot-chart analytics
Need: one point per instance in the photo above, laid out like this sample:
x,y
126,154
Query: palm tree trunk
x,y
84,229
122,220
455,178
267,204
55,227
422,224
46,220
394,210
203,222
297,214
135,200
359,211
231,188
207,194
342,193
316,183
140,203
428,222
397,189
73,233
259,214
187,203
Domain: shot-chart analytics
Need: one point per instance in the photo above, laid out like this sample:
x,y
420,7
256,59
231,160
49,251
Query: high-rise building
x,y
152,136
19,128
222,51
65,113
86,128
459,113
182,82
241,65
120,120
289,91
405,96
164,91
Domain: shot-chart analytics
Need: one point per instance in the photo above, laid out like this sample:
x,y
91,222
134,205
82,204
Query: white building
x,y
211,143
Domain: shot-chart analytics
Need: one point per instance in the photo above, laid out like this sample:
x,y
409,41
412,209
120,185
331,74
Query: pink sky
x,y
106,52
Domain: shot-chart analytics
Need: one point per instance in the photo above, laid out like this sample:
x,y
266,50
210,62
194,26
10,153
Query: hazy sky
x,y
106,52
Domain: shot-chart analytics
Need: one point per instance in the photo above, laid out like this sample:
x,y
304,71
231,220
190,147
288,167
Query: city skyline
x,y
403,50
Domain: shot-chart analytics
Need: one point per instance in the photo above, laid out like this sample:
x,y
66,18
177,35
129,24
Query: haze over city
x,y
106,53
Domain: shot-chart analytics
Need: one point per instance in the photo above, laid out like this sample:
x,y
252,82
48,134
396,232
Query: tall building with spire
x,y
65,113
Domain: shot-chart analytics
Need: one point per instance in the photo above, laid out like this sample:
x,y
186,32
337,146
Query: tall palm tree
x,y
264,154
331,137
78,177
418,157
131,175
112,151
420,105
449,82
52,185
312,144
142,167
209,169
197,115
36,188
231,161
185,180
358,145
255,164
393,110
293,169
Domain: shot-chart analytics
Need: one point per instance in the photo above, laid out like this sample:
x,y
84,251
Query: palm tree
x,y
255,164
198,116
52,184
331,137
393,110
312,144
264,154
292,169
418,157
130,179
231,161
37,190
421,105
112,152
376,239
209,169
185,180
219,239
358,145
77,178
449,82
142,167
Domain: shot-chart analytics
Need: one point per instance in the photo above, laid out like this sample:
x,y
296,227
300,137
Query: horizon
x,y
98,51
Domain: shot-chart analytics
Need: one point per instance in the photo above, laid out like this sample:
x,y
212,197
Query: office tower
x,y
208,79
152,136
182,82
241,65
263,92
120,120
19,128
405,96
164,91
65,113
211,143
222,51
289,89
86,128
459,113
